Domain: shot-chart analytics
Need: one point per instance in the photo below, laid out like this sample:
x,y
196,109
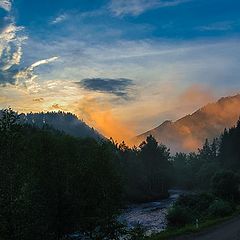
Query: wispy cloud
x,y
42,62
59,19
27,77
11,41
218,26
6,5
137,7
12,38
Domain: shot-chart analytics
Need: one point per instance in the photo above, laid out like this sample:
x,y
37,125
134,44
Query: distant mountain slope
x,y
62,121
189,132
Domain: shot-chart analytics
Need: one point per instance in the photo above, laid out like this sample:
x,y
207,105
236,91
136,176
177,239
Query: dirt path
x,y
226,231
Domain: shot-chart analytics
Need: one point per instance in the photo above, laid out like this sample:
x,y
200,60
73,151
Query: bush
x,y
220,208
225,184
179,216
198,203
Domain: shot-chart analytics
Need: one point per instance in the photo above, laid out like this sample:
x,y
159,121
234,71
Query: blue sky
x,y
172,19
136,60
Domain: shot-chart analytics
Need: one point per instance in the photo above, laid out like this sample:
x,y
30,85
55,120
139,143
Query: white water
x,y
152,215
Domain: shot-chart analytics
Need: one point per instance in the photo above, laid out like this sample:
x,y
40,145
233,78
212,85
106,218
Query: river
x,y
152,215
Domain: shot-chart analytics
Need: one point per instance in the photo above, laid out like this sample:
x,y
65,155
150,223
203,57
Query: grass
x,y
188,229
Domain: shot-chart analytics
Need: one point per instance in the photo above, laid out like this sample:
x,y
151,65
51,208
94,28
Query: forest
x,y
53,185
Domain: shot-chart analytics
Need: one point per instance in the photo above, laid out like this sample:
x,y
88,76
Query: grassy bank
x,y
191,228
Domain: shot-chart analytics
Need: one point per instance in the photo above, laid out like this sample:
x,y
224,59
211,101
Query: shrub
x,y
225,184
220,208
179,216
198,203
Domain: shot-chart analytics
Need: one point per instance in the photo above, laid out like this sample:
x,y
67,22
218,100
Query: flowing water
x,y
152,215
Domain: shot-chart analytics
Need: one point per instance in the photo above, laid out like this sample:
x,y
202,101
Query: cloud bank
x,y
119,87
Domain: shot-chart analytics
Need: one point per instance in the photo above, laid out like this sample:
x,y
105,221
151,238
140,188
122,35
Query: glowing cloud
x,y
101,116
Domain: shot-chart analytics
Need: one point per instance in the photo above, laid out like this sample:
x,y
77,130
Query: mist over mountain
x,y
66,122
188,133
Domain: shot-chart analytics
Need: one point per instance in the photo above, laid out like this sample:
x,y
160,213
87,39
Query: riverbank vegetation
x,y
55,186
213,174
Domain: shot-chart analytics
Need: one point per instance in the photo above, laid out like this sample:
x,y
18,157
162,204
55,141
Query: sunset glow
x,y
123,67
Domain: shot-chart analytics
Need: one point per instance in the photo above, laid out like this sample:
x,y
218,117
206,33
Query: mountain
x,y
66,122
189,132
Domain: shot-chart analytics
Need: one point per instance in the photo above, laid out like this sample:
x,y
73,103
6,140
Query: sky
x,y
123,66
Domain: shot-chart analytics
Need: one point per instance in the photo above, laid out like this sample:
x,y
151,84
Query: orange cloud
x,y
196,94
101,116
209,122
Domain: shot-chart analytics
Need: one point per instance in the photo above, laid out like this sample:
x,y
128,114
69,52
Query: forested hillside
x,y
67,122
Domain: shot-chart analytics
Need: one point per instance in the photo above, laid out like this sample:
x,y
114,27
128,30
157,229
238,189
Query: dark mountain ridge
x,y
66,122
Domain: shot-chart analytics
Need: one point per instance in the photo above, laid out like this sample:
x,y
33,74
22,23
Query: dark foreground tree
x,y
52,184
